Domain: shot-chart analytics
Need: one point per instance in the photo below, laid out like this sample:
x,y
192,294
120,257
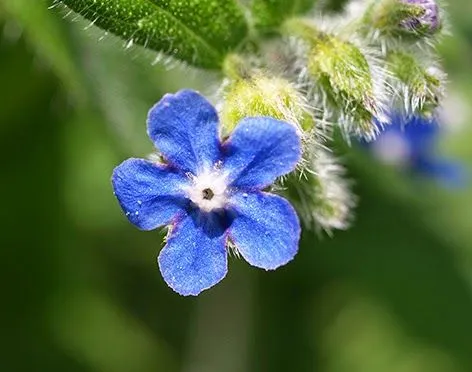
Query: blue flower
x,y
409,142
210,193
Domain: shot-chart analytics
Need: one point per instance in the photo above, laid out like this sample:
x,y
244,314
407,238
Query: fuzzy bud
x,y
428,20
421,88
344,77
320,193
413,18
259,95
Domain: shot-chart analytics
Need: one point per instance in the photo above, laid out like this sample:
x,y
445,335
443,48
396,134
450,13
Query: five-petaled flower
x,y
211,192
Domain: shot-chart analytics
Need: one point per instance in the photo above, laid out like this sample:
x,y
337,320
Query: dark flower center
x,y
208,194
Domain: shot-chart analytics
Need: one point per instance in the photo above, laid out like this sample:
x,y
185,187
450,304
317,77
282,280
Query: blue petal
x,y
418,135
448,173
260,150
420,132
194,258
265,229
150,194
184,128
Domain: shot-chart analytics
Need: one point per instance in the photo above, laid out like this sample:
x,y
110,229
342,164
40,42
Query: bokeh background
x,y
80,288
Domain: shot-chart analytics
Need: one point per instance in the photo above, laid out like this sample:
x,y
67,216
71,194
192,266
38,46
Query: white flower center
x,y
208,191
392,149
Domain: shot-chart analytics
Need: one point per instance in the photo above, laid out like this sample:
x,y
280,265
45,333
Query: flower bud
x,y
320,193
344,77
259,95
420,88
413,18
428,20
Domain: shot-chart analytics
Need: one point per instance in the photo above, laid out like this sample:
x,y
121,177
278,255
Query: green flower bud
x,y
320,193
421,88
428,21
407,18
259,95
344,76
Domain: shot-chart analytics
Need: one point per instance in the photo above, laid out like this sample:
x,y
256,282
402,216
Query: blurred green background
x,y
80,286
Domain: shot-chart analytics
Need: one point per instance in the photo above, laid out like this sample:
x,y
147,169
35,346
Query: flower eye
x,y
208,194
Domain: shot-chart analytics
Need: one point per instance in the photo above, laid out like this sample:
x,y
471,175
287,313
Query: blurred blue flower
x,y
409,142
210,193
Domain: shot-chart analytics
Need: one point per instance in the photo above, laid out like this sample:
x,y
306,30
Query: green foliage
x,y
269,14
199,32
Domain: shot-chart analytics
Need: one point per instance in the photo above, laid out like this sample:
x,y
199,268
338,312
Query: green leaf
x,y
269,14
199,32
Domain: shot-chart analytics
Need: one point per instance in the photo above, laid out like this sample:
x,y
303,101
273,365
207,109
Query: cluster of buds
x,y
342,74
